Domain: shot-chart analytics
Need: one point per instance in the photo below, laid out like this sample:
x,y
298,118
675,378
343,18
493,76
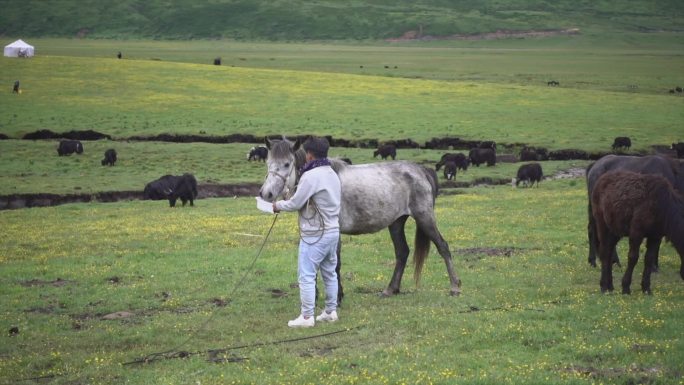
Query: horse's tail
x,y
432,177
421,251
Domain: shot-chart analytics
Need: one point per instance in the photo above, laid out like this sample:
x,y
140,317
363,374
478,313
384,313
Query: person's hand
x,y
275,209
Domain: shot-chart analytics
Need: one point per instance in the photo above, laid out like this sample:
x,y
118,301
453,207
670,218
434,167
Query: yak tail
x,y
673,206
420,253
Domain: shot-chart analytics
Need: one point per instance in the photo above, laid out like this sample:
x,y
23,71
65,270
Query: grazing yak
x,y
109,157
638,206
68,147
172,187
385,151
533,153
670,169
482,155
622,142
258,153
450,169
488,144
459,159
679,147
529,174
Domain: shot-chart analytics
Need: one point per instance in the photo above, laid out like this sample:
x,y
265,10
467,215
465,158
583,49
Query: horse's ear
x,y
297,144
268,142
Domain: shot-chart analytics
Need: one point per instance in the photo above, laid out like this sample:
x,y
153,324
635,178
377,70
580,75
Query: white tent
x,y
19,49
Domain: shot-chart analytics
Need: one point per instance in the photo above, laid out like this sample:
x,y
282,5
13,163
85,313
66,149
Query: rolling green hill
x,y
327,19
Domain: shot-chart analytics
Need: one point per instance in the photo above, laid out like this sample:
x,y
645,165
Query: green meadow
x,y
531,310
477,94
185,280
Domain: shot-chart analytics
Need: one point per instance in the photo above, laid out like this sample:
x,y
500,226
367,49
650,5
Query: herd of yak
x,y
639,197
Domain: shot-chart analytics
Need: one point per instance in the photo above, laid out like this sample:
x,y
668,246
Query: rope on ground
x,y
173,352
214,352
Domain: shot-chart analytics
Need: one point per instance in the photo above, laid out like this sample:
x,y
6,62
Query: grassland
x,y
34,167
530,312
469,95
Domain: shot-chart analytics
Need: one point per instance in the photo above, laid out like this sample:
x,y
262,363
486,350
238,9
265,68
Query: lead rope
x,y
311,220
174,351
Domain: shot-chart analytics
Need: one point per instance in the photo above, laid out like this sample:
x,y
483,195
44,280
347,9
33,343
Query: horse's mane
x,y
281,149
337,164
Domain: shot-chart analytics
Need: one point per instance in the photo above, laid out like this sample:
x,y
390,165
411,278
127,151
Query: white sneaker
x,y
301,322
327,317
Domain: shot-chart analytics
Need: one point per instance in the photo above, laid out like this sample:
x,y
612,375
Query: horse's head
x,y
284,158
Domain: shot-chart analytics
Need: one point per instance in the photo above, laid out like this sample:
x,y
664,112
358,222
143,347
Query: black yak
x,y
679,147
670,169
450,169
386,151
621,142
482,155
109,157
529,174
258,153
68,147
637,206
459,159
172,187
487,144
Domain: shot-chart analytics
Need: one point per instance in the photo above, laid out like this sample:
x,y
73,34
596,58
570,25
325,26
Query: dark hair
x,y
318,147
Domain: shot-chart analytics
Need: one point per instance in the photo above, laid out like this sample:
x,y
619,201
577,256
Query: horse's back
x,y
375,195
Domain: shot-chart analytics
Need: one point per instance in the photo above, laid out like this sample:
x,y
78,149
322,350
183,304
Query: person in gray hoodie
x,y
317,199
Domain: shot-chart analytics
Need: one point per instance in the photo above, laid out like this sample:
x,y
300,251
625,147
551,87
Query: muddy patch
x,y
218,302
478,253
577,172
318,352
59,282
277,293
207,190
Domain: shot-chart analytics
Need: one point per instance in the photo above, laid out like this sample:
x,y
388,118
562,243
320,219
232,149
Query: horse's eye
x,y
287,165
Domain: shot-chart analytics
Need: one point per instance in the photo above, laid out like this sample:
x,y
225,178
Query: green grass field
x,y
34,167
530,312
493,94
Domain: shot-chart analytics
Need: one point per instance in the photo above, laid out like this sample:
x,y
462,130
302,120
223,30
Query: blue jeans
x,y
318,254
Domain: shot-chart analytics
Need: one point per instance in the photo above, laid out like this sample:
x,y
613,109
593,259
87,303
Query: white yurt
x,y
18,49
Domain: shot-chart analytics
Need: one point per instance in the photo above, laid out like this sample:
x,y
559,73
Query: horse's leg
x,y
632,259
401,252
652,247
428,226
338,268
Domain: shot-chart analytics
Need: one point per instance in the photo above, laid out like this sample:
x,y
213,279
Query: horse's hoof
x,y
387,293
626,291
455,293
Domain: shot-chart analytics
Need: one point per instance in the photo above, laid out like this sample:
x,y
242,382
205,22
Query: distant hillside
x,y
327,19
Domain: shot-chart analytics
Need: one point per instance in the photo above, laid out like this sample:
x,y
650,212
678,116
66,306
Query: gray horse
x,y
374,196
